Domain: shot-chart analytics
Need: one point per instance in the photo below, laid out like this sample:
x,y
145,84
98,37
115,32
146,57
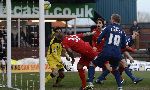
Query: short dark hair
x,y
116,17
59,36
100,19
57,28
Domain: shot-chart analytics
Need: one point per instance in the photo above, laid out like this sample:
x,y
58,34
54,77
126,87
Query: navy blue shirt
x,y
115,39
129,41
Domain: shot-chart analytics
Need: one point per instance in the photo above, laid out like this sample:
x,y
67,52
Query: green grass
x,y
72,82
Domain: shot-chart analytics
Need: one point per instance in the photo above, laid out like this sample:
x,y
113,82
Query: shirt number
x,y
114,39
74,38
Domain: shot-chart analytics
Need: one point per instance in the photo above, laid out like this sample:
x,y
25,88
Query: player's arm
x,y
128,49
123,41
94,43
82,35
66,54
127,54
101,36
70,52
89,33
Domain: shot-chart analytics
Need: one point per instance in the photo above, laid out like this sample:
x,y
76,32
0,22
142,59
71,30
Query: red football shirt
x,y
78,45
94,40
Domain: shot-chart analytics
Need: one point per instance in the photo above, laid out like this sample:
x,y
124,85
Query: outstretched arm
x,y
101,36
70,52
127,54
66,54
89,33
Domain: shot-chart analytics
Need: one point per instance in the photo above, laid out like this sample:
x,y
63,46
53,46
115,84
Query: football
x,y
47,5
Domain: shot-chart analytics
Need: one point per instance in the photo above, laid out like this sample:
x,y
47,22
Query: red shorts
x,y
129,49
85,60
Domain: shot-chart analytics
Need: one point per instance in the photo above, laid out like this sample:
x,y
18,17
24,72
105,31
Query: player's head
x,y
57,30
59,36
115,18
135,22
100,22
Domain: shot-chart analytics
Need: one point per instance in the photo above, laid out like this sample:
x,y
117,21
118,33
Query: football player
x,y
114,41
54,58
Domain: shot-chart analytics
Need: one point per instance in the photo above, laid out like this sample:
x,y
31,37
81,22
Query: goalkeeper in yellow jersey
x,y
54,59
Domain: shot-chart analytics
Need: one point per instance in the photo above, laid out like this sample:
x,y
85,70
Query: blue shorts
x,y
101,59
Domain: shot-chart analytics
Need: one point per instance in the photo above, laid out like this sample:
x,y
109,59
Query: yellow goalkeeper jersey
x,y
54,51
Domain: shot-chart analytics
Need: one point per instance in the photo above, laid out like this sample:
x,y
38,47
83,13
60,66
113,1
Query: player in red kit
x,y
75,43
98,29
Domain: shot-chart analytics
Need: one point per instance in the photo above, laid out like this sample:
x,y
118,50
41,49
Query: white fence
x,y
136,66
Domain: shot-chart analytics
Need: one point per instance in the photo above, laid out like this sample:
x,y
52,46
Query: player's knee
x,y
115,68
92,64
62,75
80,70
54,73
79,66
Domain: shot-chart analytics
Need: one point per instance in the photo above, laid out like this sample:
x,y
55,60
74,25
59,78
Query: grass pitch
x,y
30,81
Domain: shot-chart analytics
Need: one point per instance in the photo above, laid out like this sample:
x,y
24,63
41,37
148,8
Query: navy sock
x,y
91,72
103,75
117,77
128,72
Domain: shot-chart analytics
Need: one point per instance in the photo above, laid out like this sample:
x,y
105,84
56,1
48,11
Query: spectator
x,y
135,29
23,39
3,50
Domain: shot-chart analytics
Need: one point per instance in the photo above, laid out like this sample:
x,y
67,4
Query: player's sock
x,y
58,80
103,75
128,72
50,76
117,77
47,78
82,77
91,72
121,69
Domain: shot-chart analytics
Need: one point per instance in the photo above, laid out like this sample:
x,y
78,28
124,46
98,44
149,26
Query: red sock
x,y
82,77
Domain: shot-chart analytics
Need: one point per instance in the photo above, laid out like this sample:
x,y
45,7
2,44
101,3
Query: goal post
x,y
42,44
41,16
8,5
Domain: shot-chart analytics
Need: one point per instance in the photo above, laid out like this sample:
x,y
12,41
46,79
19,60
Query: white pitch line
x,y
15,88
1,85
